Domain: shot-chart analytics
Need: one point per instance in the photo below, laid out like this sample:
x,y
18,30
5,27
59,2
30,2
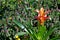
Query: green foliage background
x,y
24,12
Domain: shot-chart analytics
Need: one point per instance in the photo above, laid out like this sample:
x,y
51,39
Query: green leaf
x,y
18,23
29,30
41,32
21,33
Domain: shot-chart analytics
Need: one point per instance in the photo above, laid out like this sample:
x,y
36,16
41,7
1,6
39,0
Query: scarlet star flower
x,y
42,15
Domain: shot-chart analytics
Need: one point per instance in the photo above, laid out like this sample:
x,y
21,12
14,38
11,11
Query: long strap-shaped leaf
x,y
29,31
21,33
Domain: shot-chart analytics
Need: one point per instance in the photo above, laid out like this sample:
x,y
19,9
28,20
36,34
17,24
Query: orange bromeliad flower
x,y
42,16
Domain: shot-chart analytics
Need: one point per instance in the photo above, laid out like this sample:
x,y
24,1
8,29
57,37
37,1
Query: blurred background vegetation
x,y
24,12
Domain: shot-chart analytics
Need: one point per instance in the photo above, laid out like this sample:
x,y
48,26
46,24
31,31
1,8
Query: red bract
x,y
42,16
